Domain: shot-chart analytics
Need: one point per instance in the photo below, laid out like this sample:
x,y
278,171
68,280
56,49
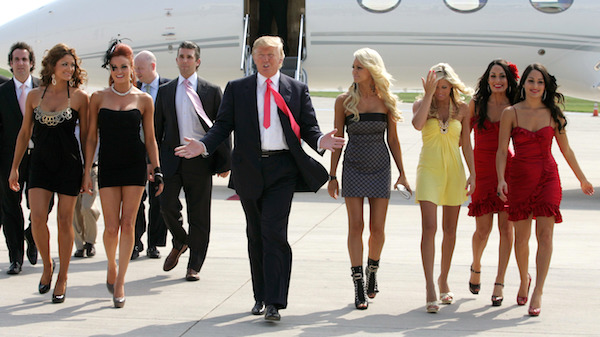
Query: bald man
x,y
149,81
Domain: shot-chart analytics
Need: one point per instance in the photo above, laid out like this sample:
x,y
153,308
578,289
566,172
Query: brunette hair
x,y
53,56
551,98
25,46
483,92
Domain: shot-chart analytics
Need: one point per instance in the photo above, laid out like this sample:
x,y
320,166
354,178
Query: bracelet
x,y
332,177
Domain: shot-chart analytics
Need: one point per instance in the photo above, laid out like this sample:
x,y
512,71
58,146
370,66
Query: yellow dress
x,y
441,174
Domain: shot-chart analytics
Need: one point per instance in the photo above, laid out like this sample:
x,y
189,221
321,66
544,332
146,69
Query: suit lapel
x,y
172,90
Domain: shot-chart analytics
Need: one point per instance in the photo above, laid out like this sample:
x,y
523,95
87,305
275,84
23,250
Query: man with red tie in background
x,y
270,113
186,108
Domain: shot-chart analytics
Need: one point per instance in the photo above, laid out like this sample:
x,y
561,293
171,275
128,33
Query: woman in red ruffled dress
x,y
534,190
496,91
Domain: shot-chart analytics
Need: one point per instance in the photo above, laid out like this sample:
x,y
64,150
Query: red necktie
x,y
193,95
22,98
281,105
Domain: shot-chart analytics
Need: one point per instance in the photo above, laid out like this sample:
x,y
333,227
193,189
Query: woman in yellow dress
x,y
442,117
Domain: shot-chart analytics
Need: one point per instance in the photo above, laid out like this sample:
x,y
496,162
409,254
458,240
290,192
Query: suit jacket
x,y
167,129
11,117
3,79
239,113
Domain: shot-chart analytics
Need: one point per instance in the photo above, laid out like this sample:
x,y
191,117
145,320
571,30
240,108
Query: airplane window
x,y
551,6
379,6
465,6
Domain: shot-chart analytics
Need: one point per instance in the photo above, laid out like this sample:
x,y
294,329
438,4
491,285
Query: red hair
x,y
124,50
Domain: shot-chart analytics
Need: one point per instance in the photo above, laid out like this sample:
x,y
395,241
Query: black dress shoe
x,y
14,268
90,250
32,253
135,253
272,313
153,253
192,275
78,253
258,308
173,257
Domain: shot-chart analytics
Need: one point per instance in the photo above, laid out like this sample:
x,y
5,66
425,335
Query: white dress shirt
x,y
188,120
273,138
28,86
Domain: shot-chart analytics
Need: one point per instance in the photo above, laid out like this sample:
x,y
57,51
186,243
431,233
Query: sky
x,y
12,9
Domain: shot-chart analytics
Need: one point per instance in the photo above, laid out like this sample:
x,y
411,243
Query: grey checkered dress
x,y
366,167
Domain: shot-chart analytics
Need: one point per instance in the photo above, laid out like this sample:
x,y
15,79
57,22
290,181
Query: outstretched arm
x,y
565,148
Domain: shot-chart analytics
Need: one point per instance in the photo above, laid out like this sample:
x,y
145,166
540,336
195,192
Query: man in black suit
x,y
186,108
12,103
3,79
268,163
149,81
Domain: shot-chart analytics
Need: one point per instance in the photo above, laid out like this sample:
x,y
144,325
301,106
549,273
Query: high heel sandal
x,y
474,288
447,298
44,288
523,300
432,307
360,293
371,273
497,300
534,311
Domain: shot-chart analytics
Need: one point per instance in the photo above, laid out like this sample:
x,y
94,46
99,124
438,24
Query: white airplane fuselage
x,y
411,37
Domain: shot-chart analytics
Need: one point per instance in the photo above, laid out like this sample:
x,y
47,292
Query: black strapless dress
x,y
122,154
55,159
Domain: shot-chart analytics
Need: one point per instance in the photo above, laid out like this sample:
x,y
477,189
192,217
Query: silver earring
x,y
544,96
53,79
71,82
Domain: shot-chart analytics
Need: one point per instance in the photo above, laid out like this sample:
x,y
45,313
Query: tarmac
x,y
321,292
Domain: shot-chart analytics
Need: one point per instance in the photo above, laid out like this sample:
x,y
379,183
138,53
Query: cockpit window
x,y
465,6
379,6
551,6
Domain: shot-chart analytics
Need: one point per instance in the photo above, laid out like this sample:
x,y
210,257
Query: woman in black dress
x,y
117,113
367,111
51,113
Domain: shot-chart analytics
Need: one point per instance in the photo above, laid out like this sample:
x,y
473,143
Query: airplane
x,y
411,36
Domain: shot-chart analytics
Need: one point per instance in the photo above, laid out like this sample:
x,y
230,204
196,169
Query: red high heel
x,y
534,311
523,300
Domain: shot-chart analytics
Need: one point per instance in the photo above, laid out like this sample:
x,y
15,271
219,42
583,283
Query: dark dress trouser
x,y
12,212
267,227
195,177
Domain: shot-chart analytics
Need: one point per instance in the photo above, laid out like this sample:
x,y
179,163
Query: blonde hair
x,y
443,71
269,41
373,62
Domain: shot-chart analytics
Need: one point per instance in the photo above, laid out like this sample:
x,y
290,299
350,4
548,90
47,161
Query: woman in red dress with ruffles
x,y
496,91
534,190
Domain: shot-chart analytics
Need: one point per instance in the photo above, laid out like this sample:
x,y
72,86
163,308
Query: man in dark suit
x,y
186,108
149,81
269,113
3,79
12,104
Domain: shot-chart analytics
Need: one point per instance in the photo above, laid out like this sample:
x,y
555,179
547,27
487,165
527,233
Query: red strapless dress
x,y
485,199
534,186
